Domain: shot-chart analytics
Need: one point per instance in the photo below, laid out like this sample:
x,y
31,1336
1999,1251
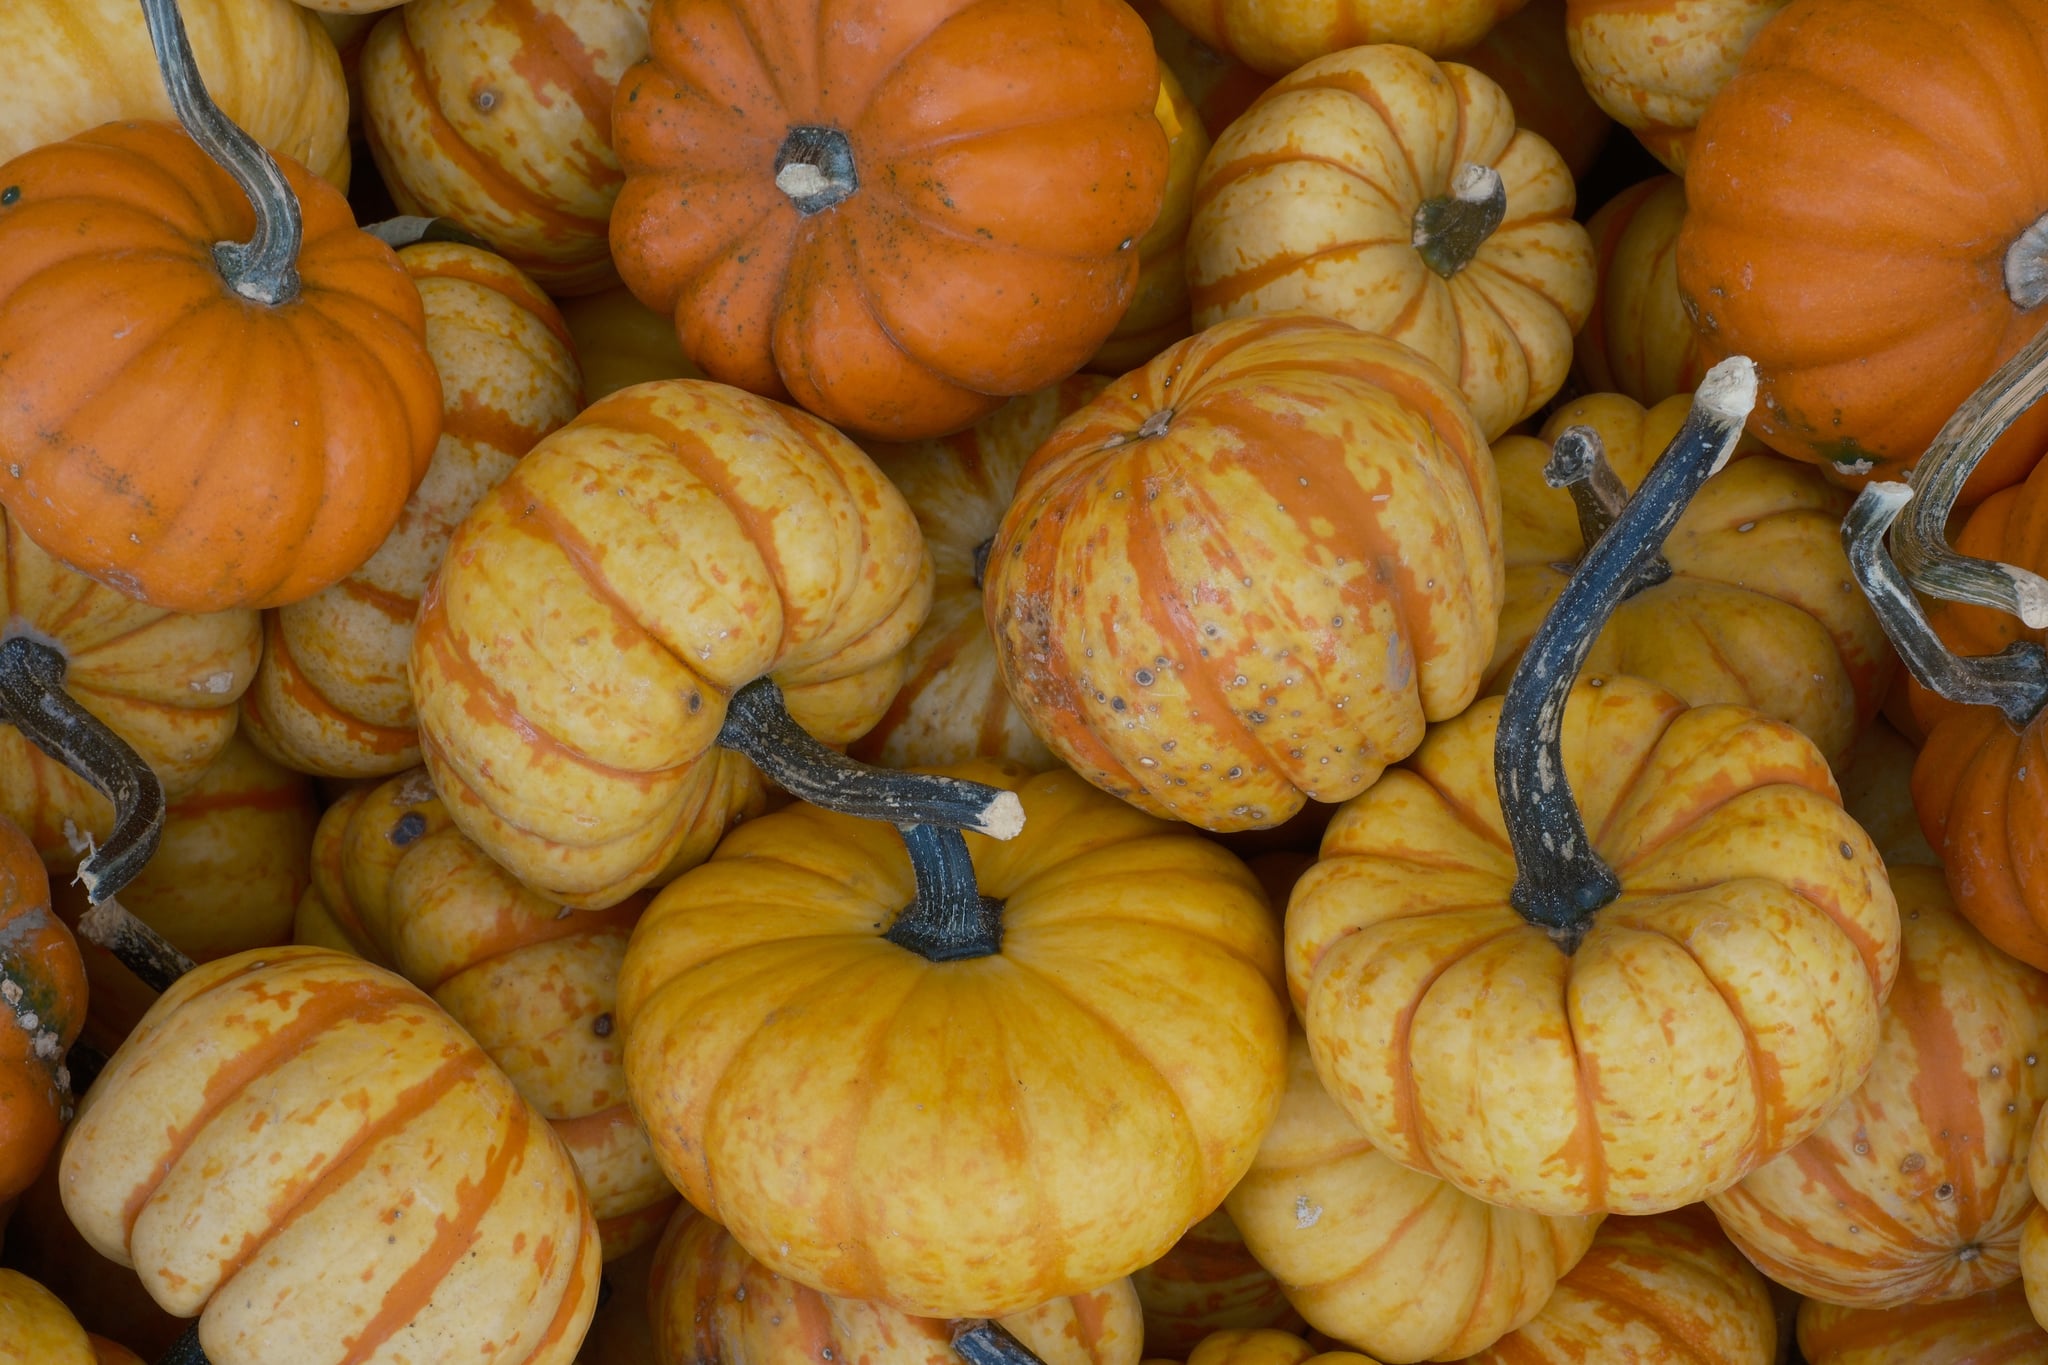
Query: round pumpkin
x,y
1833,235
1639,340
1991,1328
416,1204
1208,1282
1876,780
1654,66
1395,193
1527,56
497,115
1221,87
620,342
332,696
853,214
1389,1260
1248,574
42,1005
1278,38
1267,1347
713,1304
865,1079
1158,312
36,1328
570,696
953,705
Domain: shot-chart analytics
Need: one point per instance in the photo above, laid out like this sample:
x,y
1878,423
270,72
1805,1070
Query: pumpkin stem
x,y
950,921
1578,462
2026,266
2015,680
33,701
1920,543
981,562
758,725
185,1350
155,961
984,1341
266,267
1450,229
1560,880
814,167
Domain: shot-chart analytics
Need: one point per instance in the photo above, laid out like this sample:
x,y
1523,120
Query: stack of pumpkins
x,y
1023,680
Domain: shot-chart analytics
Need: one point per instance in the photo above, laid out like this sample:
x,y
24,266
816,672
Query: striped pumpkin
x,y
1992,1328
1209,1282
1639,340
497,114
333,696
307,1153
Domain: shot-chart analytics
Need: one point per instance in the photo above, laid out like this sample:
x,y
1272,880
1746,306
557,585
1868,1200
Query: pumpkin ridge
x,y
538,34
1248,163
572,1299
1674,1335
1593,1165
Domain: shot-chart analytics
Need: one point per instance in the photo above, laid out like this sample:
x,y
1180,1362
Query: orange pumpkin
x,y
1527,56
851,213
332,696
1221,87
1208,1282
36,1328
497,114
1291,564
1278,36
1875,279
1654,66
1380,188
42,1005
1639,340
1158,312
1268,1347
1992,1328
620,342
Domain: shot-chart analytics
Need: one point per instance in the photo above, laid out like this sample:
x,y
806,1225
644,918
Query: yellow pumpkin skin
x,y
1876,778
713,1304
1711,1017
496,114
1653,67
1760,609
867,1122
1158,313
332,696
1387,1259
533,984
1309,200
1992,1328
1267,1347
417,1207
1208,1282
953,705
1915,1188
167,683
36,1328
620,341
1276,36
673,543
75,64
1639,340
1187,619
1651,1291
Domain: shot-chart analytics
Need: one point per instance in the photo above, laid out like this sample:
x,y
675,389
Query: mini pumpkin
x,y
1639,340
1991,1328
1277,39
1208,1282
1527,56
1655,66
1158,313
1267,1347
42,1005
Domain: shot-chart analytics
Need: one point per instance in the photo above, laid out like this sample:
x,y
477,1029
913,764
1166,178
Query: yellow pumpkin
x,y
36,1328
1992,1328
1396,193
620,341
1639,340
1276,36
1208,1282
1158,312
1267,1347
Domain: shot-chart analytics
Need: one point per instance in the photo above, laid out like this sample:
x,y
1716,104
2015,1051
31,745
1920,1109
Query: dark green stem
x,y
1448,231
1578,463
950,921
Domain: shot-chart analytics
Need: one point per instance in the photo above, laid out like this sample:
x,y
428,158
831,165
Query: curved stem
x,y
951,920
1560,880
1920,541
2026,266
185,1350
1449,231
33,700
2014,680
814,167
758,725
984,1341
266,267
1578,462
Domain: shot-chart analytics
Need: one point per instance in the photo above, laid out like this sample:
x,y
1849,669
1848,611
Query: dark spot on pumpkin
x,y
409,828
696,702
1144,677
485,101
1116,704
1944,1191
602,1025
10,196
1847,852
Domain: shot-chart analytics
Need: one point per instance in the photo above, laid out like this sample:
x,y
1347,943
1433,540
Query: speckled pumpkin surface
x,y
1654,64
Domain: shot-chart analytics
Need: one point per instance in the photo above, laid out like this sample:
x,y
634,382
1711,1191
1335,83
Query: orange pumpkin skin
x,y
1655,66
1208,1282
937,288
953,705
1760,610
36,1328
1915,1188
1859,268
332,696
713,1304
497,114
1292,563
1527,56
1977,786
417,1205
1278,36
1158,313
42,1005
1652,1291
260,458
740,539
1755,937
1991,1328
620,341
1134,999
1639,340
1221,87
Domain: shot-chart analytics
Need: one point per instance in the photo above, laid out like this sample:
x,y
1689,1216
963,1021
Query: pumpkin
x,y
497,115
953,705
1651,1291
1248,574
1590,948
1277,39
1914,1189
850,213
332,696
416,1205
533,984
1267,1347
1639,340
1991,1328
1759,607
1221,87
1875,279
36,1328
1655,66
75,64
713,1304
1158,312
1527,56
1876,781
864,1074
1209,1281
1394,1262
1395,193
42,1005
620,342
112,1352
